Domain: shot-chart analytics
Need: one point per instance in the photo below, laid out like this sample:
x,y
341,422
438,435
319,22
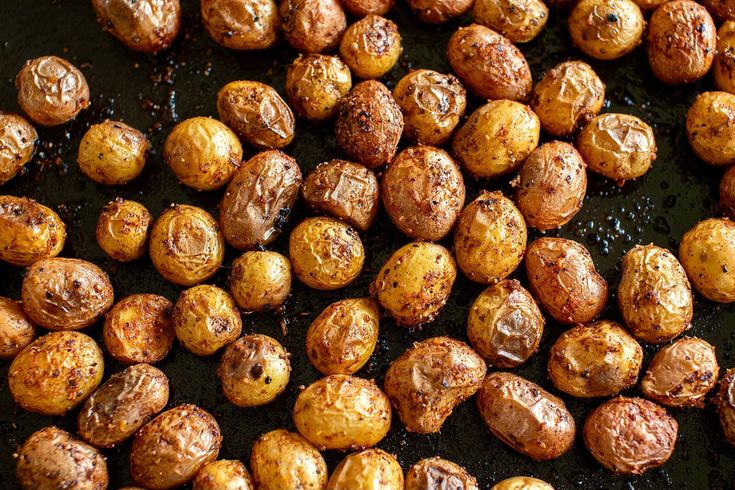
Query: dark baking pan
x,y
152,93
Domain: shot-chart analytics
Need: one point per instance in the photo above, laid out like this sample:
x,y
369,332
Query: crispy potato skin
x,y
430,380
29,231
241,24
654,295
707,253
312,26
363,7
122,405
526,417
55,373
53,458
282,459
16,329
206,319
315,83
342,412
112,153
371,46
372,468
723,67
260,281
438,11
563,278
518,20
630,435
18,143
522,483
170,450
711,127
223,474
606,29
727,193
143,25
725,403
122,230
439,474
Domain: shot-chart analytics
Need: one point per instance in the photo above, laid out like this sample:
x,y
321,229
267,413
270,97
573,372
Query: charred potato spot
x,y
18,143
438,473
260,281
29,231
371,46
16,329
205,319
725,403
711,127
438,11
723,68
365,469
364,7
223,475
606,29
241,24
312,26
141,25
282,459
122,230
316,83
518,20
707,253
522,483
112,153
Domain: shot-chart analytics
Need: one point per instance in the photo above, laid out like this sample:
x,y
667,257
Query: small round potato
x,y
282,459
143,25
371,469
186,245
414,283
723,68
654,295
343,337
260,281
241,24
505,324
563,278
254,370
711,127
450,372
681,42
205,319
55,373
17,331
139,329
315,83
312,26
721,10
369,124
360,8
51,90
53,458
224,474
342,412
325,253
122,229
112,153
490,238
371,46
423,192
488,64
630,435
438,473
170,450
29,231
18,142
725,403
518,20
122,405
526,417
522,483
432,104
606,29
727,193
707,253
257,113
438,11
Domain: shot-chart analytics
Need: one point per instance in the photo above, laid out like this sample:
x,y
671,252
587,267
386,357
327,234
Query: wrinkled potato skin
x,y
143,25
361,8
52,458
490,238
18,143
122,405
122,230
312,26
727,193
260,281
223,474
423,192
707,253
241,24
315,84
522,483
518,20
258,200
725,403
438,11
431,379
282,459
439,474
414,283
563,278
606,29
371,46
16,329
723,67
526,417
654,295
677,52
362,420
55,373
367,470
488,64
29,231
112,153
205,319
711,127
630,435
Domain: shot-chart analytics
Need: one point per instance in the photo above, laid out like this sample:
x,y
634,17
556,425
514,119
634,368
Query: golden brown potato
x,y
432,104
66,294
723,67
681,42
312,26
497,138
721,10
51,90
563,278
606,29
414,283
18,142
16,330
488,64
450,372
186,245
727,193
364,7
439,474
725,403
282,459
490,238
254,370
342,412
707,253
257,113
654,295
518,20
630,435
526,417
55,373
522,483
260,281
169,450
711,127
29,231
423,192
122,229
371,46
372,469
122,405
53,458
223,474
139,329
206,319
342,338
112,153
505,324
438,11
369,124
241,24
315,83
143,25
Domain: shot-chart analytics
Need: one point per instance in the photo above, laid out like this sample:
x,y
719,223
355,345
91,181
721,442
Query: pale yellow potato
x,y
711,127
371,46
206,319
522,483
723,67
260,280
122,229
518,20
29,231
18,143
371,469
112,153
315,84
606,29
438,473
16,329
282,459
707,253
223,474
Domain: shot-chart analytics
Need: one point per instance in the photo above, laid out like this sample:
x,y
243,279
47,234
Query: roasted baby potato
x,y
122,405
371,46
312,26
143,25
438,11
315,84
55,373
16,330
368,469
282,459
438,473
606,29
18,142
721,10
518,20
451,372
707,253
725,403
342,412
630,435
241,24
29,231
526,417
122,229
364,7
727,193
206,319
522,483
112,153
723,67
260,281
711,127
224,474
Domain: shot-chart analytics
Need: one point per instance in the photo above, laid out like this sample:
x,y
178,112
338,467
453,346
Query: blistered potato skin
x,y
144,25
522,483
122,229
364,7
725,403
112,153
282,459
55,373
723,67
439,474
606,29
707,253
16,329
710,123
727,193
260,281
205,319
315,84
525,416
438,11
371,46
241,24
29,231
518,20
18,143
312,26
122,405
369,469
654,295
223,474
